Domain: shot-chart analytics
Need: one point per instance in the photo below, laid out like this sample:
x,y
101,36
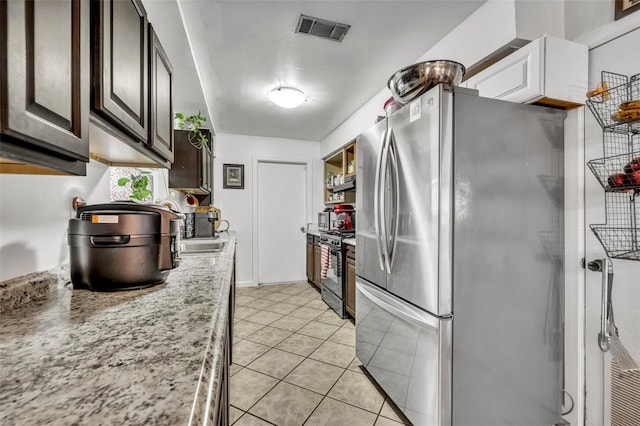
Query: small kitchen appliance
x,y
122,245
324,219
205,224
345,217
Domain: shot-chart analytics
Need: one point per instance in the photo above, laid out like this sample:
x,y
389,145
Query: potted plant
x,y
193,123
139,183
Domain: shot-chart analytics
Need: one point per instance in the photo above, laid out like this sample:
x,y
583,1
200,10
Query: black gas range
x,y
333,269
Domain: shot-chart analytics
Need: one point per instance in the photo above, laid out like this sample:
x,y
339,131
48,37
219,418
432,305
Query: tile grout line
x,y
282,380
324,396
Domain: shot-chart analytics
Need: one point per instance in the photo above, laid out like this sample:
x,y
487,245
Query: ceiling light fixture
x,y
287,97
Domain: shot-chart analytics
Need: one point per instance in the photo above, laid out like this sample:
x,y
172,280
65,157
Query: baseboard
x,y
283,282
251,284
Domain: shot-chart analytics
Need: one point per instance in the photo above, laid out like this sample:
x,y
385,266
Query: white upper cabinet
x,y
548,70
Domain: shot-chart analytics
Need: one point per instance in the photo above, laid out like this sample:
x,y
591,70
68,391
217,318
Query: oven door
x,y
407,351
333,280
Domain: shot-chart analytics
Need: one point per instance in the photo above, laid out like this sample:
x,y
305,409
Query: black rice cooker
x,y
123,245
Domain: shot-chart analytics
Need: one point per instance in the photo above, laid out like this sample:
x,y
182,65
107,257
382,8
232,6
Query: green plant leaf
x,y
123,181
191,122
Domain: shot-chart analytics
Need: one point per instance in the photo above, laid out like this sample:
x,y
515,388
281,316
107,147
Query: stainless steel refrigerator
x,y
459,266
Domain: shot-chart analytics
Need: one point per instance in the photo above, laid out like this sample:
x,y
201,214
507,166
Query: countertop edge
x,y
206,389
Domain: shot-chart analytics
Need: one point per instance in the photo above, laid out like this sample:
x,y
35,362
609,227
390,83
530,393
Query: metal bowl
x,y
412,81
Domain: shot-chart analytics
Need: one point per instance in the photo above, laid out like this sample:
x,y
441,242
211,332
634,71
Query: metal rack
x,y
620,236
616,90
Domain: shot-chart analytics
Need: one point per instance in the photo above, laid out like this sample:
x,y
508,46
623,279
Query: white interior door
x,y
610,398
281,212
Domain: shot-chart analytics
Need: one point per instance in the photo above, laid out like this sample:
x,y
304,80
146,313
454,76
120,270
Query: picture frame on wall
x,y
233,176
625,7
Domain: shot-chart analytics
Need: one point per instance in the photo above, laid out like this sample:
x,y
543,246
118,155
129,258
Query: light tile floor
x,y
294,363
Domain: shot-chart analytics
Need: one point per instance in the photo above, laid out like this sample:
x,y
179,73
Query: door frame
x,y
575,274
256,160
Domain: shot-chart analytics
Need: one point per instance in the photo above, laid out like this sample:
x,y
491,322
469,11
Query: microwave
x,y
324,221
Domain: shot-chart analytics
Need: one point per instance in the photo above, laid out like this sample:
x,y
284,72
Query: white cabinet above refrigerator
x,y
548,70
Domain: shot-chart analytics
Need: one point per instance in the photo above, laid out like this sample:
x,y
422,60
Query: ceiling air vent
x,y
322,28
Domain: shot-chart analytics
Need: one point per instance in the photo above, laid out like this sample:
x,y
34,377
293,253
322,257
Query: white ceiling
x,y
243,49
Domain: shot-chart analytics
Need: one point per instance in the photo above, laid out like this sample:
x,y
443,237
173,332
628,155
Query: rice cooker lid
x,y
114,222
166,216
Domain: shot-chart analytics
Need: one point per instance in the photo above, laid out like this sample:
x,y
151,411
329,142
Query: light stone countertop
x,y
131,357
315,232
350,241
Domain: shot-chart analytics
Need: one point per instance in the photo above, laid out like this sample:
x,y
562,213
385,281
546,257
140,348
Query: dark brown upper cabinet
x,y
121,64
160,99
44,86
192,167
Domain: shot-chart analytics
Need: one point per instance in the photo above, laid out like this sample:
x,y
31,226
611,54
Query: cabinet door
x,y
518,78
120,64
206,169
160,99
310,268
44,82
350,297
191,167
317,260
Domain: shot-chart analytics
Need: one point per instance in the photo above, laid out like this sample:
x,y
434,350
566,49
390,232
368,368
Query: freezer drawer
x,y
407,351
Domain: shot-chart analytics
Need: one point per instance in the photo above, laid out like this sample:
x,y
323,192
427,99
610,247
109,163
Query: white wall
x,y
237,204
35,211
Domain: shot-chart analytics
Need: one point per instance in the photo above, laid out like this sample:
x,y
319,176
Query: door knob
x,y
595,265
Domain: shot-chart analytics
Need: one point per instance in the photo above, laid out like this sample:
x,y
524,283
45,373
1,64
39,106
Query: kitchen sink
x,y
201,246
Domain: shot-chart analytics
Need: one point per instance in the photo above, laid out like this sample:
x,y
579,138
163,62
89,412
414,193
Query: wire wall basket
x,y
620,236
616,103
616,107
619,243
618,173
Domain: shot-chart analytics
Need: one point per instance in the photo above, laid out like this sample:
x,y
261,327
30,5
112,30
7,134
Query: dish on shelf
x,y
191,200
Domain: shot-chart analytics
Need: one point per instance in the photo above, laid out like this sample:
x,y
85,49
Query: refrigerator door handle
x,y
383,201
400,310
396,176
376,201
